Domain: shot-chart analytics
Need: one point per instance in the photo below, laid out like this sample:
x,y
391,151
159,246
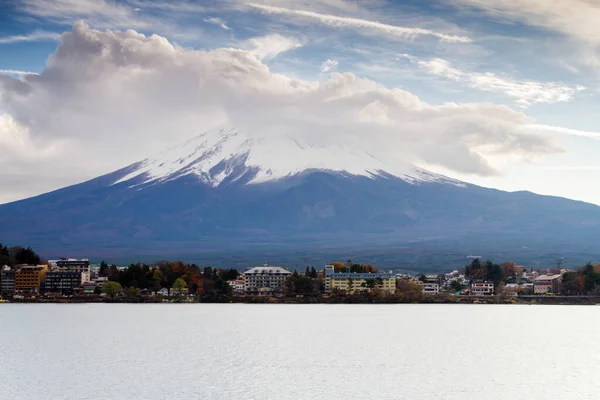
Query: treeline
x,y
164,274
584,281
489,271
349,266
18,255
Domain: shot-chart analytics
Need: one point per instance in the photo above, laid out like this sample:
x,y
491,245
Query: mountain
x,y
228,194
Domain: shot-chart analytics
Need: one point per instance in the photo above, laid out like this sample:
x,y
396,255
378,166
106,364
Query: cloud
x,y
129,95
360,24
575,18
30,37
217,21
175,6
329,66
527,92
16,72
270,46
563,131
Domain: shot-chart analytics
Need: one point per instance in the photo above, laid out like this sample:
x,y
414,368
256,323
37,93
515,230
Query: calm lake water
x,y
241,351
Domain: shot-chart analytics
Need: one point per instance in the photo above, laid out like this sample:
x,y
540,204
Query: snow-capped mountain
x,y
228,154
229,192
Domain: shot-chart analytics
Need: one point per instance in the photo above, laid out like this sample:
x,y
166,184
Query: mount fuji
x,y
226,193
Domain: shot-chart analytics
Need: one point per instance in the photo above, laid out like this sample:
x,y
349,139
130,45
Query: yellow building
x,y
358,281
29,278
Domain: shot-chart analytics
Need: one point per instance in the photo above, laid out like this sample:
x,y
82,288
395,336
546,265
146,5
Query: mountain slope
x,y
228,193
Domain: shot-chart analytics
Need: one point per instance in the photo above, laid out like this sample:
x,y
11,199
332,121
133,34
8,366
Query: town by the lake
x,y
24,277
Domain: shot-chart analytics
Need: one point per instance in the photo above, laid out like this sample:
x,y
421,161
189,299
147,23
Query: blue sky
x,y
512,84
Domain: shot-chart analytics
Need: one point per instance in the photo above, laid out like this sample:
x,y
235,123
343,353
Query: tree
x,y
132,291
179,285
103,269
25,256
230,274
307,272
313,272
111,288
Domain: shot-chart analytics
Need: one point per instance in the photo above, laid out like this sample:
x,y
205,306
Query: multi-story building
x,y
482,288
547,284
29,278
7,281
431,288
62,281
268,280
73,265
358,281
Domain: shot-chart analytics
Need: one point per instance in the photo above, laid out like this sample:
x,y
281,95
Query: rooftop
x,y
267,269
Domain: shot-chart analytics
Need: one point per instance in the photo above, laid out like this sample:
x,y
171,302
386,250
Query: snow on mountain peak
x,y
227,153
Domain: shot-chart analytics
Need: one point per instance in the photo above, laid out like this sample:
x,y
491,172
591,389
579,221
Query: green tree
x,y
132,291
179,285
313,272
111,288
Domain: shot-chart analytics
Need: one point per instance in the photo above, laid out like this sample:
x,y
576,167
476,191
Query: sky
x,y
499,93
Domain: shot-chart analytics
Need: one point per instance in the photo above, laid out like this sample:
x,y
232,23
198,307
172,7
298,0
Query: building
x,y
482,288
237,286
29,278
73,265
358,281
7,281
268,280
431,288
547,284
65,282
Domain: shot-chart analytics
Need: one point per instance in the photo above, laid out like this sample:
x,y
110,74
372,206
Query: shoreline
x,y
528,300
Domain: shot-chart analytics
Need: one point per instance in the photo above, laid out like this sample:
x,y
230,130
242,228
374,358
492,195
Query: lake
x,y
245,351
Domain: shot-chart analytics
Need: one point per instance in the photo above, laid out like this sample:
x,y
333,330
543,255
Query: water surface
x,y
243,351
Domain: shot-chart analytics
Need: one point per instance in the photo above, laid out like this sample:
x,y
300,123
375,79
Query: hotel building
x,y
358,281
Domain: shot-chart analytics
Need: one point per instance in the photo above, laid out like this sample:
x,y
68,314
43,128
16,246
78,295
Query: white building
x,y
268,280
431,288
482,288
237,285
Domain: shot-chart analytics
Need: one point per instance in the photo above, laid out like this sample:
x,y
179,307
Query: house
x,y
358,281
237,286
163,292
268,280
547,284
482,288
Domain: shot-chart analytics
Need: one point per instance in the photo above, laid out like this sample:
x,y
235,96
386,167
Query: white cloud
x,y
527,92
270,46
175,6
30,37
101,12
329,65
361,24
563,131
16,72
131,95
575,18
217,21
